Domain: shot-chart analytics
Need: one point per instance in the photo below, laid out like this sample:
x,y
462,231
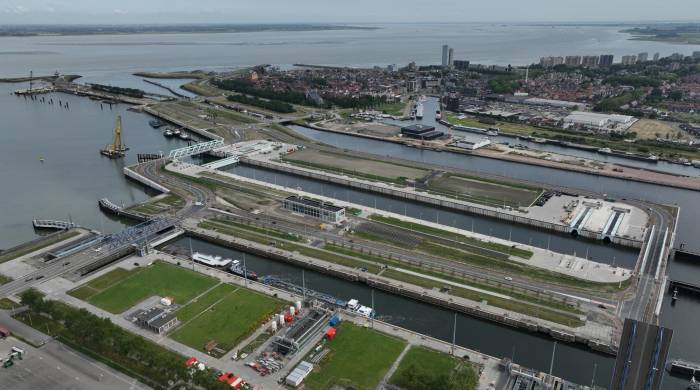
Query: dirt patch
x,y
652,129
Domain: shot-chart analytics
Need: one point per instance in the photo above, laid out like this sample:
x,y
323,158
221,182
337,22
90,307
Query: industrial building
x,y
324,211
471,142
611,122
155,319
419,131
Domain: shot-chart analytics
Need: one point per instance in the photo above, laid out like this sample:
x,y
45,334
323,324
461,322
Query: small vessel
x,y
156,123
210,260
168,133
693,385
675,294
237,269
419,111
365,311
116,149
184,136
492,131
177,132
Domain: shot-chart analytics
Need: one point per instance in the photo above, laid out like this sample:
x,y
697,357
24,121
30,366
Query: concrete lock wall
x,y
398,193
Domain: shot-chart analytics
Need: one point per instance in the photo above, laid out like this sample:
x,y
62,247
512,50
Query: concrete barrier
x,y
130,173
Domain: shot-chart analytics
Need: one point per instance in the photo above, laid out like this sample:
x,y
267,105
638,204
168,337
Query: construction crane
x,y
116,149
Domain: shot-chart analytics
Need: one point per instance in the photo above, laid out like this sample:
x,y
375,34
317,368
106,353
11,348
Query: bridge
x,y
52,224
222,163
199,148
642,357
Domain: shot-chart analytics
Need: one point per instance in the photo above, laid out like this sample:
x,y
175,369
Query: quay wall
x,y
406,290
435,201
130,173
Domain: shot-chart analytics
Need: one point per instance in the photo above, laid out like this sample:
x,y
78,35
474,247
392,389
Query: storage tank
x,y
273,326
291,310
297,304
281,317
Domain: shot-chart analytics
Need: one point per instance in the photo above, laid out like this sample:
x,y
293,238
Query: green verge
x,y
256,229
289,246
160,279
422,368
39,245
229,321
506,304
328,168
523,253
496,288
359,358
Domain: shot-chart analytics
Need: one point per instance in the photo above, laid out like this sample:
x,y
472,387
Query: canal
x,y
562,243
686,199
576,363
431,105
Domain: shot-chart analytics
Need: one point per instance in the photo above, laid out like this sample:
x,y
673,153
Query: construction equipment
x,y
116,149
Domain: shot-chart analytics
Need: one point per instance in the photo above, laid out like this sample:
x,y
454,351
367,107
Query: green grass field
x,y
359,358
97,285
424,362
201,303
161,279
228,322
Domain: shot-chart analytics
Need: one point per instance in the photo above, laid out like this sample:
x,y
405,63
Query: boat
x,y
470,129
675,294
155,123
237,269
168,133
693,385
116,149
629,155
492,131
184,136
210,260
683,367
177,132
355,307
419,111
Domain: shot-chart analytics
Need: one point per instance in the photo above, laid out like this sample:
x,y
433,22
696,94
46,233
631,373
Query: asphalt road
x,y
55,366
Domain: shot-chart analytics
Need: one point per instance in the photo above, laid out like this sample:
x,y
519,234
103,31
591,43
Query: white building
x,y
609,122
471,142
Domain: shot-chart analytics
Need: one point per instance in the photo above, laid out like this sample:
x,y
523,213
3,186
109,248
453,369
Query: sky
x,y
337,11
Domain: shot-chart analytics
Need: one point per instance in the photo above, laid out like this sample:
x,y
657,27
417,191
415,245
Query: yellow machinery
x,y
116,149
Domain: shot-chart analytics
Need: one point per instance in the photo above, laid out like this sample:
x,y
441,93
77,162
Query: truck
x,y
4,332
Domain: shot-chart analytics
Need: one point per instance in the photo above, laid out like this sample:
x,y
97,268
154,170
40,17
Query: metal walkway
x,y
52,224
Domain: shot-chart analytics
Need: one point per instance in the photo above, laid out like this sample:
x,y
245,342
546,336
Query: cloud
x,y
120,12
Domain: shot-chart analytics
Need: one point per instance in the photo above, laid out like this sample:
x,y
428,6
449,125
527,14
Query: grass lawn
x,y
97,285
523,253
229,321
359,358
8,304
421,361
211,297
161,279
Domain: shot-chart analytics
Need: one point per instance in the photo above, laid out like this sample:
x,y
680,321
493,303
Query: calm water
x,y
74,176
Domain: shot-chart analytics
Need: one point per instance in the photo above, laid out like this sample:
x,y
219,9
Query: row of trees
x,y
300,98
117,347
133,92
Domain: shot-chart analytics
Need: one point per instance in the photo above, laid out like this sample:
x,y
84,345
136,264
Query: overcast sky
x,y
249,11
